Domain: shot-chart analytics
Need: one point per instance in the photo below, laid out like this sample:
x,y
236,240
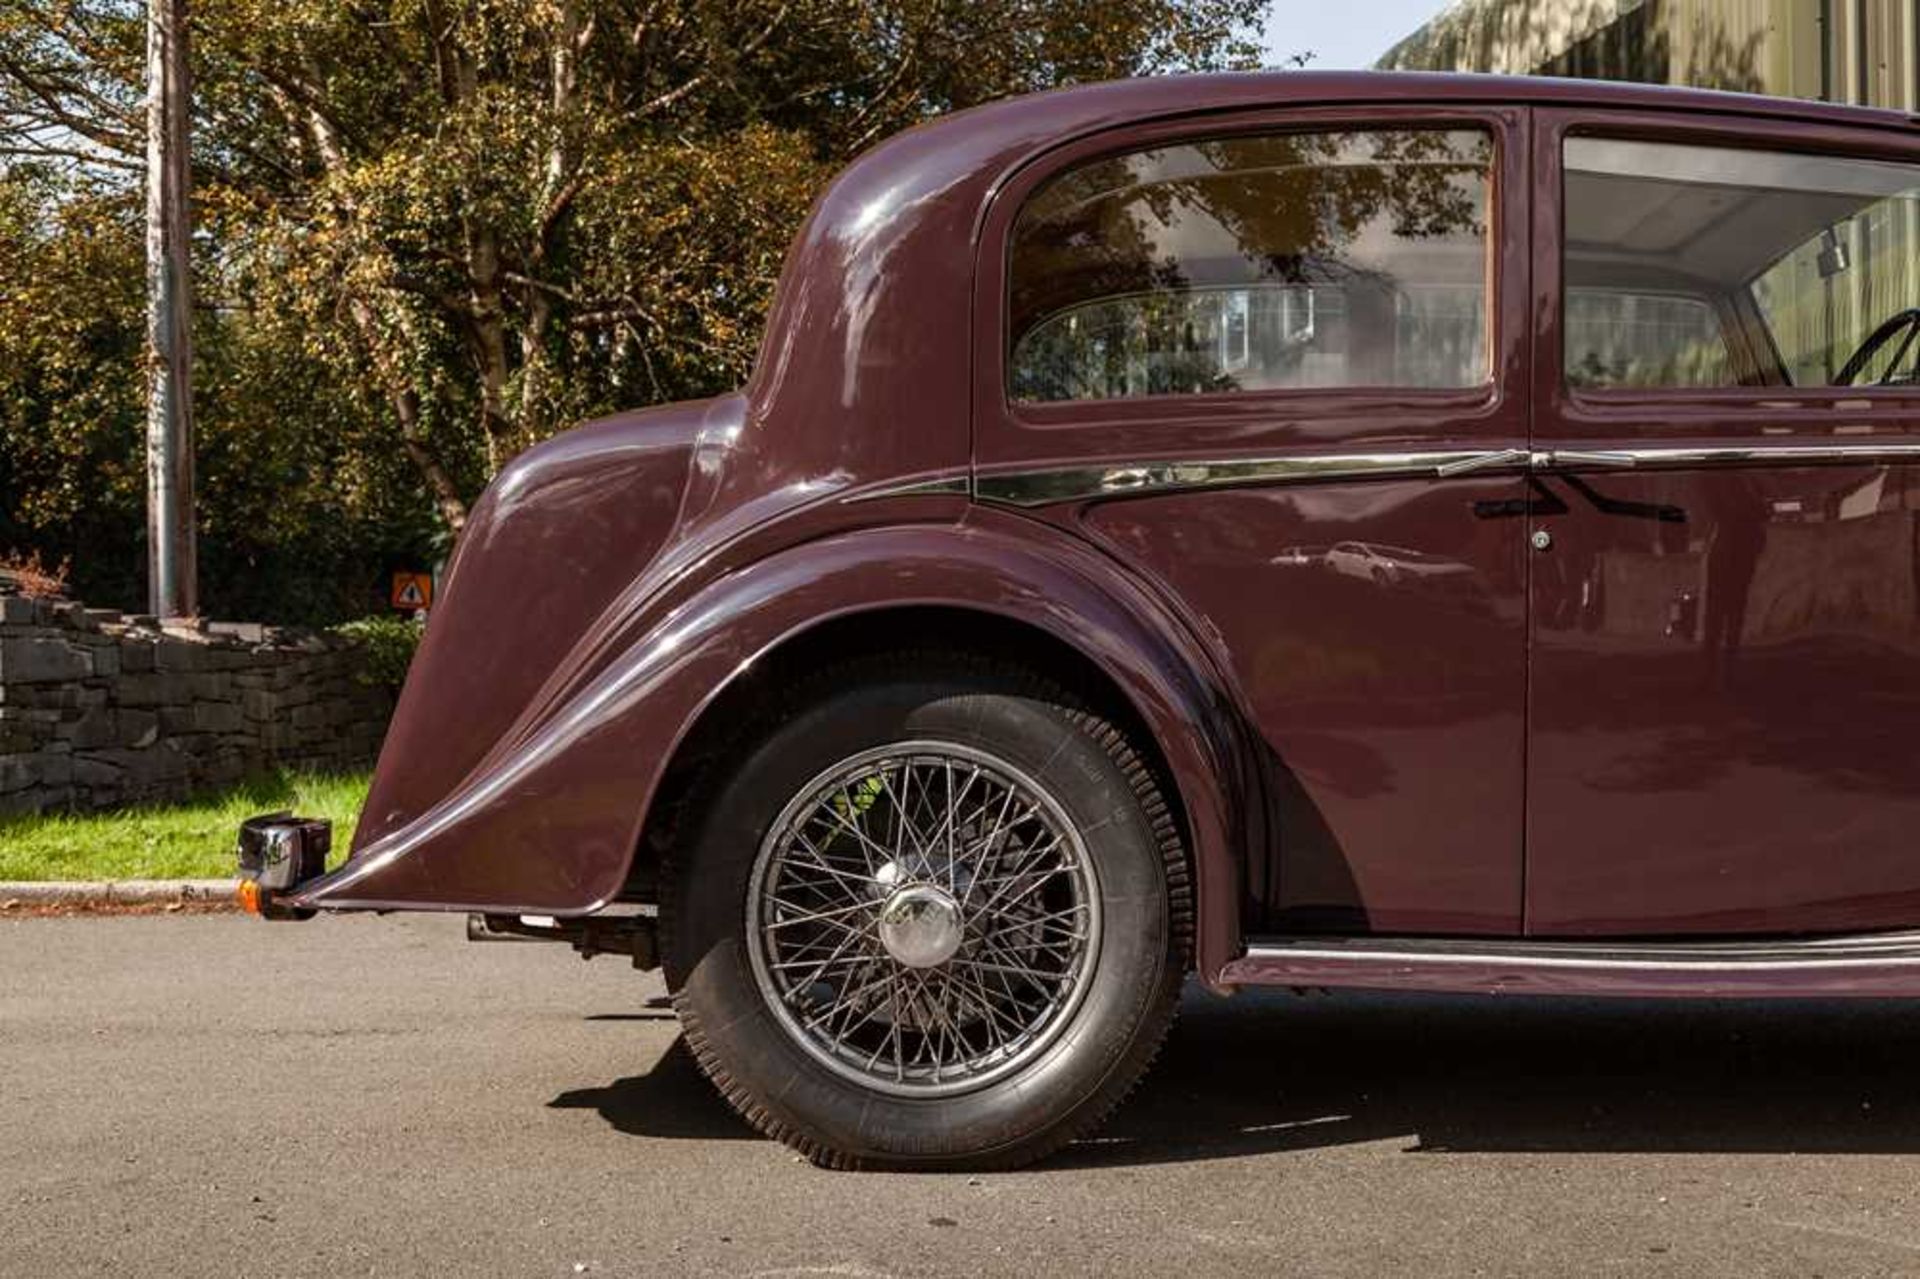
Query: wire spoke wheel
x,y
886,936
923,918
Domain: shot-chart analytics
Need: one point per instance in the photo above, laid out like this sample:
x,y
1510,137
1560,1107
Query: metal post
x,y
172,589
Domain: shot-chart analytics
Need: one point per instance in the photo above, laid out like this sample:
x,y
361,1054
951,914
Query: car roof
x,y
867,335
1149,96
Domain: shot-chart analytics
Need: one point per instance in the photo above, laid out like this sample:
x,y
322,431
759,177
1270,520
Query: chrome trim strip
x,y
1521,955
1043,487
940,486
1074,483
1851,968
1860,454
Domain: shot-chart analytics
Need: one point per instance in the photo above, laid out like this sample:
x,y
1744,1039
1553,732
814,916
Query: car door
x,y
1275,364
1724,729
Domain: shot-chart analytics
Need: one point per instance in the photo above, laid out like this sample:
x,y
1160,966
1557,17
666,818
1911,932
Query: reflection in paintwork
x,y
1389,698
1757,567
1726,711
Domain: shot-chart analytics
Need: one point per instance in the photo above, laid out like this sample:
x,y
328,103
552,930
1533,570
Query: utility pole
x,y
172,588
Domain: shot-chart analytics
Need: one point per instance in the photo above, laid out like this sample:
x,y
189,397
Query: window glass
x,y
1621,338
1691,266
1256,263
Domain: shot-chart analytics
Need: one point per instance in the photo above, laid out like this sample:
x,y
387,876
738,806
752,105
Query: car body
x,y
1503,580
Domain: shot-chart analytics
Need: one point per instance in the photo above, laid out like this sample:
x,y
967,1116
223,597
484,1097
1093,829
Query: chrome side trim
x,y
1873,964
1075,483
1605,953
939,486
1043,487
1861,454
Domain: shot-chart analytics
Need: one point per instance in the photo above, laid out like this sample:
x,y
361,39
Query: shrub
x,y
27,575
387,643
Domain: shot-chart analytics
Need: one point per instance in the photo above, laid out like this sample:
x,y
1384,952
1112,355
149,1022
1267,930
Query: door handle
x,y
1482,462
1536,461
1586,458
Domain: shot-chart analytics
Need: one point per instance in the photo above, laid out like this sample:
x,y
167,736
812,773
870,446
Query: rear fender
x,y
551,826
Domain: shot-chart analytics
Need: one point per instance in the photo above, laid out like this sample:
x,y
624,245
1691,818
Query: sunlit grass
x,y
191,840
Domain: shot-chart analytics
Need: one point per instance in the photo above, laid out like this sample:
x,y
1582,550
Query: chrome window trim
x,y
1051,485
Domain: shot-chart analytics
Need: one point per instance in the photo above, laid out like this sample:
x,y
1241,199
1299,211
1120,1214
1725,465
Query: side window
x,y
1621,337
1693,266
1256,263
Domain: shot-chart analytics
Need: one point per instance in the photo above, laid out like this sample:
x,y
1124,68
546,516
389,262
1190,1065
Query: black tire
x,y
1133,972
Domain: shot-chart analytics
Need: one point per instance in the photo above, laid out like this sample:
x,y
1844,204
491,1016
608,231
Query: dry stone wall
x,y
100,709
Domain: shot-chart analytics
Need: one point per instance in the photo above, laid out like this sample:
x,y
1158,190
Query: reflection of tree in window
x,y
1623,338
1256,262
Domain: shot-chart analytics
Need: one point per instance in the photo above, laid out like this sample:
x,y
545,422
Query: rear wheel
x,y
936,915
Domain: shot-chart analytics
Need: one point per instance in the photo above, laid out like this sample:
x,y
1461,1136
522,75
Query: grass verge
x,y
190,840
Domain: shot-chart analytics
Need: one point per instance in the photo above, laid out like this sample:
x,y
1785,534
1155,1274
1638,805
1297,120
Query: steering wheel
x,y
1905,322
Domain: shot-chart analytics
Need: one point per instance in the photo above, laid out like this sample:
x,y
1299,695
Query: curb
x,y
121,892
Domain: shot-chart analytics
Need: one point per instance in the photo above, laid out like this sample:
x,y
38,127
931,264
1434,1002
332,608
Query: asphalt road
x,y
214,1095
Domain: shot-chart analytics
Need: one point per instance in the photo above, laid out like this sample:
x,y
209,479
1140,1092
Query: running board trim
x,y
1878,965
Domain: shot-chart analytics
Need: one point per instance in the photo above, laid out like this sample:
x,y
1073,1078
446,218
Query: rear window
x,y
1256,263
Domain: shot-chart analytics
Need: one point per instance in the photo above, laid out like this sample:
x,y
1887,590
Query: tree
x,y
485,219
301,493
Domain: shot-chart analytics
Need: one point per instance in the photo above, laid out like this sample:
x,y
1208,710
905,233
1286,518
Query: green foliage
x,y
303,493
387,643
432,232
186,841
861,796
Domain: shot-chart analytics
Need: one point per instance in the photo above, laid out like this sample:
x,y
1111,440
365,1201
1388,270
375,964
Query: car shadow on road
x,y
1268,1072
672,1100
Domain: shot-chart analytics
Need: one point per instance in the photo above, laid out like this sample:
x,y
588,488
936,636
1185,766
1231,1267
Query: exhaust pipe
x,y
636,936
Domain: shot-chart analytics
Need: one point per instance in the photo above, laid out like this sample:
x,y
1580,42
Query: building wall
x,y
98,709
1861,51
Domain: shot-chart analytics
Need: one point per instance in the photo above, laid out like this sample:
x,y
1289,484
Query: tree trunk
x,y
406,408
488,335
394,382
569,40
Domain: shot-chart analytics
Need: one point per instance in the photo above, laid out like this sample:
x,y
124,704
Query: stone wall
x,y
100,709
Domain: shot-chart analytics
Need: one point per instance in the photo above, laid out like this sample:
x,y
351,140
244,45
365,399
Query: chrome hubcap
x,y
920,926
923,918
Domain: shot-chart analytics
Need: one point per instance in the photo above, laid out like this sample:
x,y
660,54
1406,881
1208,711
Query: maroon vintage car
x,y
1327,530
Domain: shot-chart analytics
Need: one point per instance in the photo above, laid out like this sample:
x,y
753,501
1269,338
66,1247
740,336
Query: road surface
x,y
215,1095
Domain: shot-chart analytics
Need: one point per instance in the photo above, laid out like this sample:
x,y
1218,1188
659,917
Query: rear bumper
x,y
278,854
